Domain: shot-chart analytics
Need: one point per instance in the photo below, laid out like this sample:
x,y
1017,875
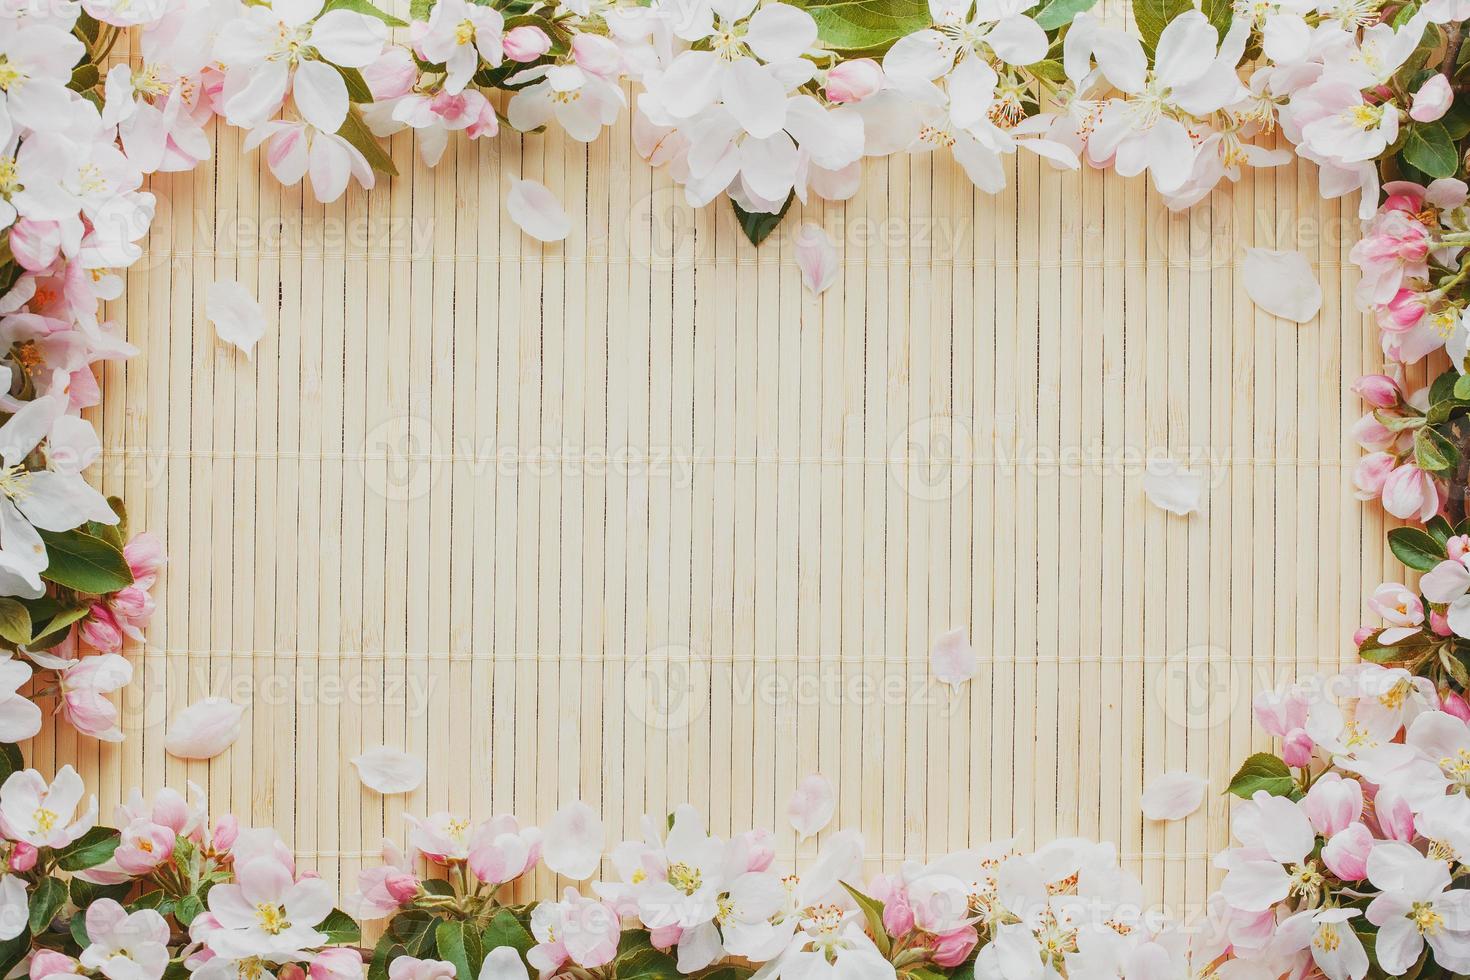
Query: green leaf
x,y
1429,148
11,761
56,623
1262,771
85,563
46,901
1059,13
1434,451
357,86
1049,69
866,27
15,621
506,930
1152,16
461,947
84,893
416,931
187,909
647,964
91,849
79,931
420,9
384,953
758,225
355,131
1415,548
873,912
1219,13
84,77
341,929
1440,530
364,7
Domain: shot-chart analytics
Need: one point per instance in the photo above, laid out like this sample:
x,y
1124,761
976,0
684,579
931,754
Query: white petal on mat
x,y
952,661
503,963
812,805
1168,486
1173,796
204,729
235,314
574,841
537,211
389,771
817,257
1282,284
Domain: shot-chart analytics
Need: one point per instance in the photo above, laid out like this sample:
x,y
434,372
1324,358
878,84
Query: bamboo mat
x,y
635,519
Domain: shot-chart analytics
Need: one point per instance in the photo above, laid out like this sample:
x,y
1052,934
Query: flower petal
x,y
389,771
1171,488
574,841
1282,283
236,316
204,729
1173,796
537,211
817,257
812,806
952,661
503,963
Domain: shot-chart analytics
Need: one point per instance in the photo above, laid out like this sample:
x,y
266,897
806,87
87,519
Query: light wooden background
x,y
392,525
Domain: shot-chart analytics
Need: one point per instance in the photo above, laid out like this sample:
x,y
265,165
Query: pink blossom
x,y
1333,803
1439,623
759,847
145,557
35,244
84,685
100,630
1458,546
953,948
226,830
1410,492
1396,604
1346,853
23,856
144,846
49,963
1372,435
1282,710
853,81
392,75
597,55
1361,635
337,963
1453,704
526,43
1432,100
1394,815
502,851
413,968
1378,390
383,890
665,937
1403,312
898,914
1296,748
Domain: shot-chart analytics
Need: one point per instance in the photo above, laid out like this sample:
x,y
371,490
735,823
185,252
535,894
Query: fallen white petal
x,y
812,806
1173,796
537,211
574,841
236,315
204,729
389,771
1171,488
1282,283
952,661
817,257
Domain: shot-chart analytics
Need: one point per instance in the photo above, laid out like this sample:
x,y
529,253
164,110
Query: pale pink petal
x,y
204,729
574,841
389,771
812,805
537,211
1169,487
236,316
1173,796
952,661
817,257
1282,283
503,963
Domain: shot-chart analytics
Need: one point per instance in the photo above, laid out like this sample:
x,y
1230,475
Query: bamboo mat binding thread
x,y
618,636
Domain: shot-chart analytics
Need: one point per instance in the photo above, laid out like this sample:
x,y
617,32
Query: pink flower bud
x,y
337,963
144,846
1432,100
48,963
853,81
1361,634
953,948
1403,312
1346,854
101,631
597,55
291,971
1282,710
403,886
664,937
144,555
526,43
1439,623
132,603
1410,492
1296,748
760,850
1372,434
22,856
226,829
1333,803
898,914
35,244
1395,816
392,75
1378,390
1453,704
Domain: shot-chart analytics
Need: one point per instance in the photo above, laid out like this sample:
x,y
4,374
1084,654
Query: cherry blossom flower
x,y
459,35
1417,906
45,815
265,913
125,945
